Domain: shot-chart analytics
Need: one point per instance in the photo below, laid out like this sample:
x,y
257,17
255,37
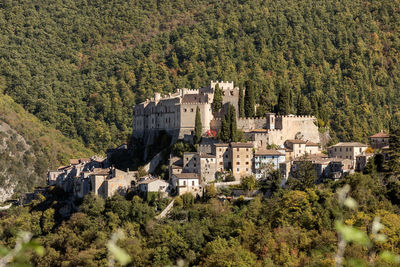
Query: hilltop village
x,y
254,147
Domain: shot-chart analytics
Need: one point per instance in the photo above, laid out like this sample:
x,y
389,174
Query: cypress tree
x,y
249,101
241,103
284,101
303,105
217,102
233,124
197,127
223,134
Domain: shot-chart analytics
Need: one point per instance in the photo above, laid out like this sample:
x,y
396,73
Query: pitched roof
x,y
221,144
353,144
246,145
187,175
296,141
148,181
74,161
206,155
194,98
268,152
309,143
380,135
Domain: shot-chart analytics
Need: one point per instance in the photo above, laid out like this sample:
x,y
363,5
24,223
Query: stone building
x,y
264,158
347,150
242,159
175,114
186,183
379,140
222,156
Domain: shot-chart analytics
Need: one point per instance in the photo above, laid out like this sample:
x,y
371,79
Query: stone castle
x,y
175,114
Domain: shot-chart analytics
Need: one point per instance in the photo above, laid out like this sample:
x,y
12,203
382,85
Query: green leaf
x,y
352,234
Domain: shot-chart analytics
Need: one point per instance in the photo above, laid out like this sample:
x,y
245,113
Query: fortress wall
x,y
298,127
251,123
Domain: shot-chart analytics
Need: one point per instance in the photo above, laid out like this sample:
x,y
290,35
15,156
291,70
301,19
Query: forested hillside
x,y
81,65
29,148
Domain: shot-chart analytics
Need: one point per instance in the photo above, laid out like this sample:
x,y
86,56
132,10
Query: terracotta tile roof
x,y
309,143
246,145
268,152
187,175
221,144
352,144
296,141
380,135
74,161
206,155
101,171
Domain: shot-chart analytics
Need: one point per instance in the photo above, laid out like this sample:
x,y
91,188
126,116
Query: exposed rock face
x,y
17,163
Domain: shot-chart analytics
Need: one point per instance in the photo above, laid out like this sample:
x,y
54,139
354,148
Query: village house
x,y
265,159
222,157
242,159
347,150
379,140
153,186
296,148
208,167
186,183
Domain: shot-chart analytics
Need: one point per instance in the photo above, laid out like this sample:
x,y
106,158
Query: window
x,y
220,163
184,183
192,183
335,149
247,169
238,163
220,156
340,149
237,149
226,155
185,110
237,169
360,149
220,149
247,163
237,156
247,156
195,165
191,110
247,149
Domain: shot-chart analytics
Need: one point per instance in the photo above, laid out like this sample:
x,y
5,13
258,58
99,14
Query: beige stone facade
x,y
242,159
347,150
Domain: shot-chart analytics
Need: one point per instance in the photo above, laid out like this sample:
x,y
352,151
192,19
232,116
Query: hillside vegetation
x,y
81,65
29,148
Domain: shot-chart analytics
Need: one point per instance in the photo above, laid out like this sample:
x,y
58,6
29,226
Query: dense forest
x,y
81,65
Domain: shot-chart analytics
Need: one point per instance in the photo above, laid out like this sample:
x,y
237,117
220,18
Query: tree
x,y
303,105
249,100
305,176
284,101
233,126
394,153
223,134
217,102
241,103
197,127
